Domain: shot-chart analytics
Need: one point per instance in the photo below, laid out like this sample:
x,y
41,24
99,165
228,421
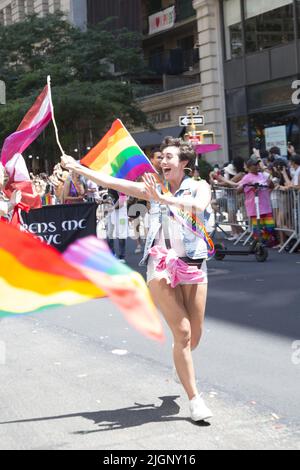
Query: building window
x,y
233,28
29,7
238,137
56,5
8,15
154,6
268,23
184,9
271,95
21,10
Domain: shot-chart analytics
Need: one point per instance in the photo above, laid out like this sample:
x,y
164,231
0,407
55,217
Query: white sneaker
x,y
199,410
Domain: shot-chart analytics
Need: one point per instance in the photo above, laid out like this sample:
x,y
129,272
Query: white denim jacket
x,y
195,247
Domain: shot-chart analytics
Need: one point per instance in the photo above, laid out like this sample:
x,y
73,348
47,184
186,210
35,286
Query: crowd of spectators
x,y
279,173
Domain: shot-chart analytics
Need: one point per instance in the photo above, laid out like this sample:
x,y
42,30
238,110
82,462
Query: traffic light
x,y
200,137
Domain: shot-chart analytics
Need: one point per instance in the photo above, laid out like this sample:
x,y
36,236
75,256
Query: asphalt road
x,y
82,378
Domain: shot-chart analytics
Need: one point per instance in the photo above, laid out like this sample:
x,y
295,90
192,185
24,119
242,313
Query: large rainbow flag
x,y
34,276
125,287
118,155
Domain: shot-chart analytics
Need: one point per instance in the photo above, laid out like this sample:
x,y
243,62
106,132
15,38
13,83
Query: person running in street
x,y
179,289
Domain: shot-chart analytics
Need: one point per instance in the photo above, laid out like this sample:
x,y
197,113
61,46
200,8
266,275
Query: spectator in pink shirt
x,y
267,224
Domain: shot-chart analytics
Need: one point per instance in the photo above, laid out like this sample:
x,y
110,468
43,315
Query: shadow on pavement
x,y
123,418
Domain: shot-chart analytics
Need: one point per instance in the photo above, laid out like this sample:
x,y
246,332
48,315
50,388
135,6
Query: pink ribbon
x,y
177,269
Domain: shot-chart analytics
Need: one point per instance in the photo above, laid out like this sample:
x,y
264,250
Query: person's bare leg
x,y
194,298
170,302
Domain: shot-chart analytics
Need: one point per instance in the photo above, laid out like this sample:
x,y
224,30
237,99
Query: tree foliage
x,y
93,75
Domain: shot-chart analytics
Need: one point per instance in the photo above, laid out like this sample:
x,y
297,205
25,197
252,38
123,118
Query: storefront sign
x,y
61,225
276,137
162,20
160,117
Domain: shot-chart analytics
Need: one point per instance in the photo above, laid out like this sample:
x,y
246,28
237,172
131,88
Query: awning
x,y
152,139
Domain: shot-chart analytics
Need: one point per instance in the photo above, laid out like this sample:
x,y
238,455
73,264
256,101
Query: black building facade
x,y
261,42
127,13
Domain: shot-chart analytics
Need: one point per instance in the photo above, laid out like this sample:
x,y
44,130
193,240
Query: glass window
x,y
154,6
260,121
233,28
184,9
267,25
259,7
239,129
270,94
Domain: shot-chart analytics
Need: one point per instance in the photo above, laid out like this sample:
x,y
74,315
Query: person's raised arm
x,y
198,204
130,188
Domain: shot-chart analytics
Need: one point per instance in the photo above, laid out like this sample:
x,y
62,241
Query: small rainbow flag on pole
x,y
118,155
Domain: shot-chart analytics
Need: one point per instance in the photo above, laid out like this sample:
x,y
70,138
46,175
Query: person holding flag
x,y
7,205
34,122
175,255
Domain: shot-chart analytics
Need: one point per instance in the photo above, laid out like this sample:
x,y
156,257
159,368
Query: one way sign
x,y
185,121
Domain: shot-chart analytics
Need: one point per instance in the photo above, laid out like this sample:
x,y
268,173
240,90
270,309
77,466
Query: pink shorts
x,y
152,273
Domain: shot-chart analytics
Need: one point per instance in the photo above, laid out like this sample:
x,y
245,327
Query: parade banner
x,y
62,225
162,20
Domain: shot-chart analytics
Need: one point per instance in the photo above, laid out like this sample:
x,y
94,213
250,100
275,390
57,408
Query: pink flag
x,y
35,121
207,148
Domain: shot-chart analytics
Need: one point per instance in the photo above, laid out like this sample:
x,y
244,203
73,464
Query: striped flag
x,y
34,277
35,121
118,155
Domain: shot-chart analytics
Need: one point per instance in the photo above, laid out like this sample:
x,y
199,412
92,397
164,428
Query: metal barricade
x,y
298,219
286,215
229,210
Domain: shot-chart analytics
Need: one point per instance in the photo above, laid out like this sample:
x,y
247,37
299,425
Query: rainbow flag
x,y
126,288
34,276
118,155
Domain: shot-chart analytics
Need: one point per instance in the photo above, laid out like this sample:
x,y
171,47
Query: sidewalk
x,y
61,390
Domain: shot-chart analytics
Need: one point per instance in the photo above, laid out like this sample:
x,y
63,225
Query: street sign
x,y
193,110
2,93
185,121
194,139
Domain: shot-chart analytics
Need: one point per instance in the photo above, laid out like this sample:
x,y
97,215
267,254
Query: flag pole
x,y
53,116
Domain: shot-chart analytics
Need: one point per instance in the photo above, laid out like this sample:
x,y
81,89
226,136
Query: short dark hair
x,y
275,151
153,151
238,164
187,152
264,154
295,159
